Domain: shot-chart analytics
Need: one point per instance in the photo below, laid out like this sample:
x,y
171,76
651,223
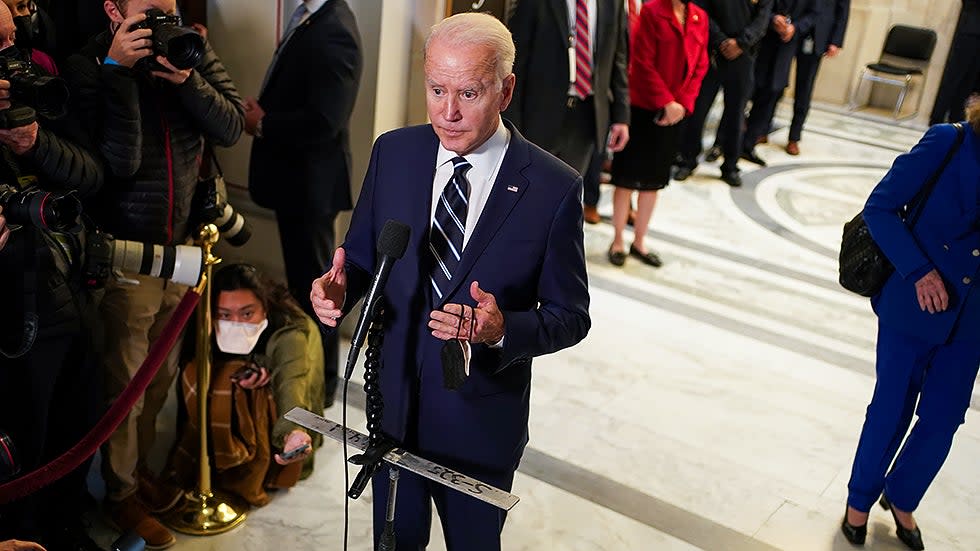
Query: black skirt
x,y
644,164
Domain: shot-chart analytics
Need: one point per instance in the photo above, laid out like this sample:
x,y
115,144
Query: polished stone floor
x,y
717,401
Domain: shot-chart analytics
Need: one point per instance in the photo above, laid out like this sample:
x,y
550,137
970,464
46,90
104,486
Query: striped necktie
x,y
583,51
448,226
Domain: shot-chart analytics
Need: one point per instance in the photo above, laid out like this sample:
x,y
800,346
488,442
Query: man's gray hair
x,y
476,29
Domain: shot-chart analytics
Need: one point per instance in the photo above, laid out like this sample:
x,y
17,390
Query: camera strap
x,y
214,159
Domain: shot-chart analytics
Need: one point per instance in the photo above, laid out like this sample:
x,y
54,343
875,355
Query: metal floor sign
x,y
408,461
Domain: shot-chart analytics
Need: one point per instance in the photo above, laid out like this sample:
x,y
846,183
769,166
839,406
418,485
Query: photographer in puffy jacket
x,y
149,120
48,377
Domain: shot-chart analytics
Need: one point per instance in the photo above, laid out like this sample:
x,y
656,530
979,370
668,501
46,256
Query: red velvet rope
x,y
85,448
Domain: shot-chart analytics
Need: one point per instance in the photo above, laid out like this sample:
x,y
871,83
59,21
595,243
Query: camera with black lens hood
x,y
32,93
182,47
34,207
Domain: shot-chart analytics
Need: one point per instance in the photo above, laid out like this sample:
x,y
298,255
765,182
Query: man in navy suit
x,y
827,39
497,236
300,162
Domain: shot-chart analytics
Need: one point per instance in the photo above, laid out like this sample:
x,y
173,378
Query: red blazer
x,y
667,63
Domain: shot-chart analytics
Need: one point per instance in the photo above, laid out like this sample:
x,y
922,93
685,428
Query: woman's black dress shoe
x,y
911,538
616,258
854,534
649,258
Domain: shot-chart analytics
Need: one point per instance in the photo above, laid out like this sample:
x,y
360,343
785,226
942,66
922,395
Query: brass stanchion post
x,y
202,512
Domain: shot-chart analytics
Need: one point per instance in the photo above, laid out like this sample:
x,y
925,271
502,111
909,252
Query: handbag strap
x,y
919,202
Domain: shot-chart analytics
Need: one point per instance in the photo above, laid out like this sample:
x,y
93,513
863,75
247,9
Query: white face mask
x,y
235,337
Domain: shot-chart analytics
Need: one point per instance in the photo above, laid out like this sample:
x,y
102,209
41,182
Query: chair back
x,y
914,43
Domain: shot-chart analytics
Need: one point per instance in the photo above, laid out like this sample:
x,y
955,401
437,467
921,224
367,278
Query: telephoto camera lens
x,y
39,209
181,263
104,255
233,226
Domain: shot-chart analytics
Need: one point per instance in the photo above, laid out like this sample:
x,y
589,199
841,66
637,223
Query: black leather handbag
x,y
864,268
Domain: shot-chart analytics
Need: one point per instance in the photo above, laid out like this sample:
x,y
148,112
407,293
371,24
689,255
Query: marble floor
x,y
716,402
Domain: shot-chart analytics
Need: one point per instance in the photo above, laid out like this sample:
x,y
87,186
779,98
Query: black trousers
x,y
50,399
576,141
759,121
807,66
960,78
737,79
307,250
590,179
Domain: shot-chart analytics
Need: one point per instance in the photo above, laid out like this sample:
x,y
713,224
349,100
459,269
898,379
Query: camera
x,y
181,264
41,209
211,206
31,93
182,47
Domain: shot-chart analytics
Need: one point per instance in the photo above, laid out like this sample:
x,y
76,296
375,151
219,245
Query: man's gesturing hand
x,y
489,321
329,291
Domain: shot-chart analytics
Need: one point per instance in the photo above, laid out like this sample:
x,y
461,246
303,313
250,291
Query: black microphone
x,y
391,246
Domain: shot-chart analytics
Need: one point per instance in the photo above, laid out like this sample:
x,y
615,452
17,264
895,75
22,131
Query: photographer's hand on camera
x,y
4,94
4,230
173,74
131,45
21,139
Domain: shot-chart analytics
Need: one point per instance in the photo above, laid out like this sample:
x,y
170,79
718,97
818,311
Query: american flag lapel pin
x,y
512,188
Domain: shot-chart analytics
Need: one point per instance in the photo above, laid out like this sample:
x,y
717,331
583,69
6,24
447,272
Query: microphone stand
x,y
378,443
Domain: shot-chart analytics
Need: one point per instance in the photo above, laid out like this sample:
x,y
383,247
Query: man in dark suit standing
x,y
962,74
792,20
735,31
494,270
300,164
827,39
571,80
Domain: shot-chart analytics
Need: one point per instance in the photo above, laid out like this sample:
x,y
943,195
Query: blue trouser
x,y
941,378
467,523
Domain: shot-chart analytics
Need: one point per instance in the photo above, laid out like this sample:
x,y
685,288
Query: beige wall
x,y
869,23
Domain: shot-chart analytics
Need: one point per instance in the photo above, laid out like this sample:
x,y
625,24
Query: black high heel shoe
x,y
911,538
854,534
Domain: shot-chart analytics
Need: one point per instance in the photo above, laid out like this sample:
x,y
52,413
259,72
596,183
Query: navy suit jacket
x,y
830,26
302,163
946,236
527,250
775,56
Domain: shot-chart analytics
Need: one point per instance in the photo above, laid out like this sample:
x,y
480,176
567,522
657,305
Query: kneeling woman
x,y
268,360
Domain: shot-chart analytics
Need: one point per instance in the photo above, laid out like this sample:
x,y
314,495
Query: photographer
x,y
149,119
47,373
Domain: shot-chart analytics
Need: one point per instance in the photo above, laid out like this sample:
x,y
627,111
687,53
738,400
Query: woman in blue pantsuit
x,y
928,328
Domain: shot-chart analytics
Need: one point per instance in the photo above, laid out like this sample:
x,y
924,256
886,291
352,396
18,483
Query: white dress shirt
x,y
485,163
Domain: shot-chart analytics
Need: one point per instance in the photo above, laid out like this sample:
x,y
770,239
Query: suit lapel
x,y
604,12
419,194
503,197
559,8
283,46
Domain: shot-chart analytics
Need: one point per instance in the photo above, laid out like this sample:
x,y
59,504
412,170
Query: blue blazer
x,y
527,250
946,236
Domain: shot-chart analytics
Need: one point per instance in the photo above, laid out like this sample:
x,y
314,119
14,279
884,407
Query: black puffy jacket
x,y
150,133
60,164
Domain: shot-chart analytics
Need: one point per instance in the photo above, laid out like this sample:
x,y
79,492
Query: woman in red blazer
x,y
668,60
